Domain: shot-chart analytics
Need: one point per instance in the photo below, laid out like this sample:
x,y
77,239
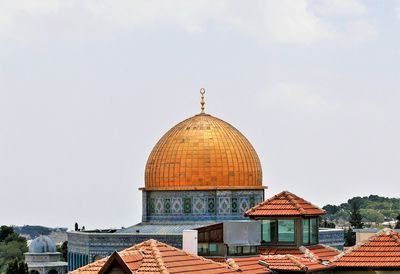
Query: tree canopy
x,y
12,247
373,208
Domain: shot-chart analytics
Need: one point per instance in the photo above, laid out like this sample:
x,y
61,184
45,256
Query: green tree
x,y
349,237
372,215
12,247
63,249
5,231
331,209
17,267
355,215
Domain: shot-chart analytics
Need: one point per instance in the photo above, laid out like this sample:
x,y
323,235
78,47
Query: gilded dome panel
x,y
203,153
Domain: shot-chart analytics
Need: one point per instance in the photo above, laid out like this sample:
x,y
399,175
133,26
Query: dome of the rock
x,y
203,153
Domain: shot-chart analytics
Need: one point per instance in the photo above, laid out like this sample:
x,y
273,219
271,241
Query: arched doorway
x,y
53,271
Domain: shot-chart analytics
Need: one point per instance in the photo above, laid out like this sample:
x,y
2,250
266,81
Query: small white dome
x,y
42,244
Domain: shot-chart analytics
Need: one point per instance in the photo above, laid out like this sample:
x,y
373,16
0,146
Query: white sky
x,y
88,87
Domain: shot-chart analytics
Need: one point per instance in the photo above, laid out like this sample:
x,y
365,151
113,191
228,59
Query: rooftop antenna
x,y
202,91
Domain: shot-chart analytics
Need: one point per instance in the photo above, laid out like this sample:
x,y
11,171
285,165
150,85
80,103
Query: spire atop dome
x,y
202,91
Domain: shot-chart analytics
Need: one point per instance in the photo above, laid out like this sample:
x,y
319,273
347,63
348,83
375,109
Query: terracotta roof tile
x,y
248,265
155,257
293,263
285,204
315,252
380,251
285,262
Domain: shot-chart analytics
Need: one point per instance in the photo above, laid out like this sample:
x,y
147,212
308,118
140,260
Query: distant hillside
x,y
35,230
373,208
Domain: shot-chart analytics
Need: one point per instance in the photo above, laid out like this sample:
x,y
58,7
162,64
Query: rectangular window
x,y
310,231
306,231
268,231
286,231
313,231
202,249
241,250
213,249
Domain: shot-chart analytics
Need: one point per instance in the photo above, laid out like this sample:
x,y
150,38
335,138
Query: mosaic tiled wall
x,y
84,248
198,205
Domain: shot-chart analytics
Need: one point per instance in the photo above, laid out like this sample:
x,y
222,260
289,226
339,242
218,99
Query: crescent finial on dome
x,y
202,91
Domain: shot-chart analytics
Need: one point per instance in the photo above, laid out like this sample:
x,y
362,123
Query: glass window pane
x,y
313,231
286,231
232,250
306,231
246,250
268,231
212,248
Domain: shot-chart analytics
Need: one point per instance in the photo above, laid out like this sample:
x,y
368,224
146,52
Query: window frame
x,y
275,231
310,229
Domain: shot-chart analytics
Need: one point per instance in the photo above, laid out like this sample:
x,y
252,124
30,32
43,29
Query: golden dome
x,y
203,153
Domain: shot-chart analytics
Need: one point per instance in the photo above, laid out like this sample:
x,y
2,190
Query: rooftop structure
x,y
284,204
287,221
154,257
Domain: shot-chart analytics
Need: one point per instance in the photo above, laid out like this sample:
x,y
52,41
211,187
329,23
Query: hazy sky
x,y
88,87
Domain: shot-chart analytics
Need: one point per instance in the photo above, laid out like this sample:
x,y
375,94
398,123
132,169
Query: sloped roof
x,y
381,251
284,204
248,265
155,257
285,262
293,263
315,252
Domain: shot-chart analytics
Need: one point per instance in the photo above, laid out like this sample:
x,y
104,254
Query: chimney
x,y
189,239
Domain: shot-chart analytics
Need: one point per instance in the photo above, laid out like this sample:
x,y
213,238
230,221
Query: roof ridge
x,y
392,234
265,201
292,199
231,263
309,254
290,257
296,261
329,247
158,257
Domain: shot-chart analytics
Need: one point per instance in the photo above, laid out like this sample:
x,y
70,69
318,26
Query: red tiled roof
x,y
284,204
285,262
315,252
155,257
248,265
322,252
292,263
381,251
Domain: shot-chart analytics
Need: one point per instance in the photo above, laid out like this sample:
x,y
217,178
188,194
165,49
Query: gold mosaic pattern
x,y
203,152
